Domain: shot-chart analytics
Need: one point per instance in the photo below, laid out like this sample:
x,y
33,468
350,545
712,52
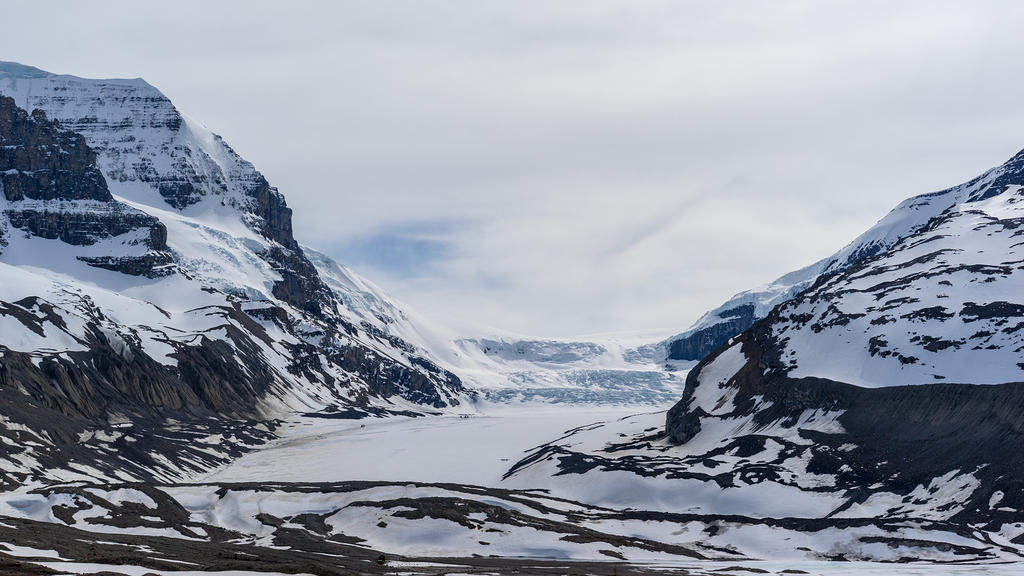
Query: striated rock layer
x,y
54,190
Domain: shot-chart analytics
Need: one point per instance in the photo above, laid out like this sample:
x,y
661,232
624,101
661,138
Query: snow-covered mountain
x,y
742,310
915,353
180,381
152,293
148,274
877,411
897,373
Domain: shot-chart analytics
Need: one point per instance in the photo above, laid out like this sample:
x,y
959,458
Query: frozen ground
x,y
846,568
692,568
330,493
477,449
146,560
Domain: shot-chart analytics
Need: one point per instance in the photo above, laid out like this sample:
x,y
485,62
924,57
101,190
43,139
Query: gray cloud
x,y
570,167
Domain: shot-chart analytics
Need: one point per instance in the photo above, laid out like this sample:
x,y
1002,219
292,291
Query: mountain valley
x,y
186,387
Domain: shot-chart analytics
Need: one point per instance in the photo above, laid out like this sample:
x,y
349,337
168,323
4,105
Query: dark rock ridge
x,y
776,482
300,284
54,190
112,408
141,418
703,341
42,162
218,386
892,439
310,535
996,181
84,228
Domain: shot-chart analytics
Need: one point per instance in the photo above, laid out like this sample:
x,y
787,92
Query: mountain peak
x,y
997,180
16,70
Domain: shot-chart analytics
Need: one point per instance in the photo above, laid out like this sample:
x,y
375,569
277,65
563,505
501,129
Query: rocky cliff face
x,y
54,190
703,341
145,145
104,408
152,292
43,162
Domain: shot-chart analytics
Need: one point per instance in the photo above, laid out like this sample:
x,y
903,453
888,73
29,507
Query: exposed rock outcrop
x,y
40,161
140,138
85,225
883,440
54,190
701,342
109,392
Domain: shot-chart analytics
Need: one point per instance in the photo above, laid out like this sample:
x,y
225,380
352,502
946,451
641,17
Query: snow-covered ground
x,y
693,568
477,449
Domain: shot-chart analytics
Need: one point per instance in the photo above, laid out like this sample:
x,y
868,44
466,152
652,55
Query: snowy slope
x,y
449,523
160,325
174,288
943,304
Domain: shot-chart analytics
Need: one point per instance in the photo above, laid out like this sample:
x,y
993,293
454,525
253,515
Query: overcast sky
x,y
563,168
